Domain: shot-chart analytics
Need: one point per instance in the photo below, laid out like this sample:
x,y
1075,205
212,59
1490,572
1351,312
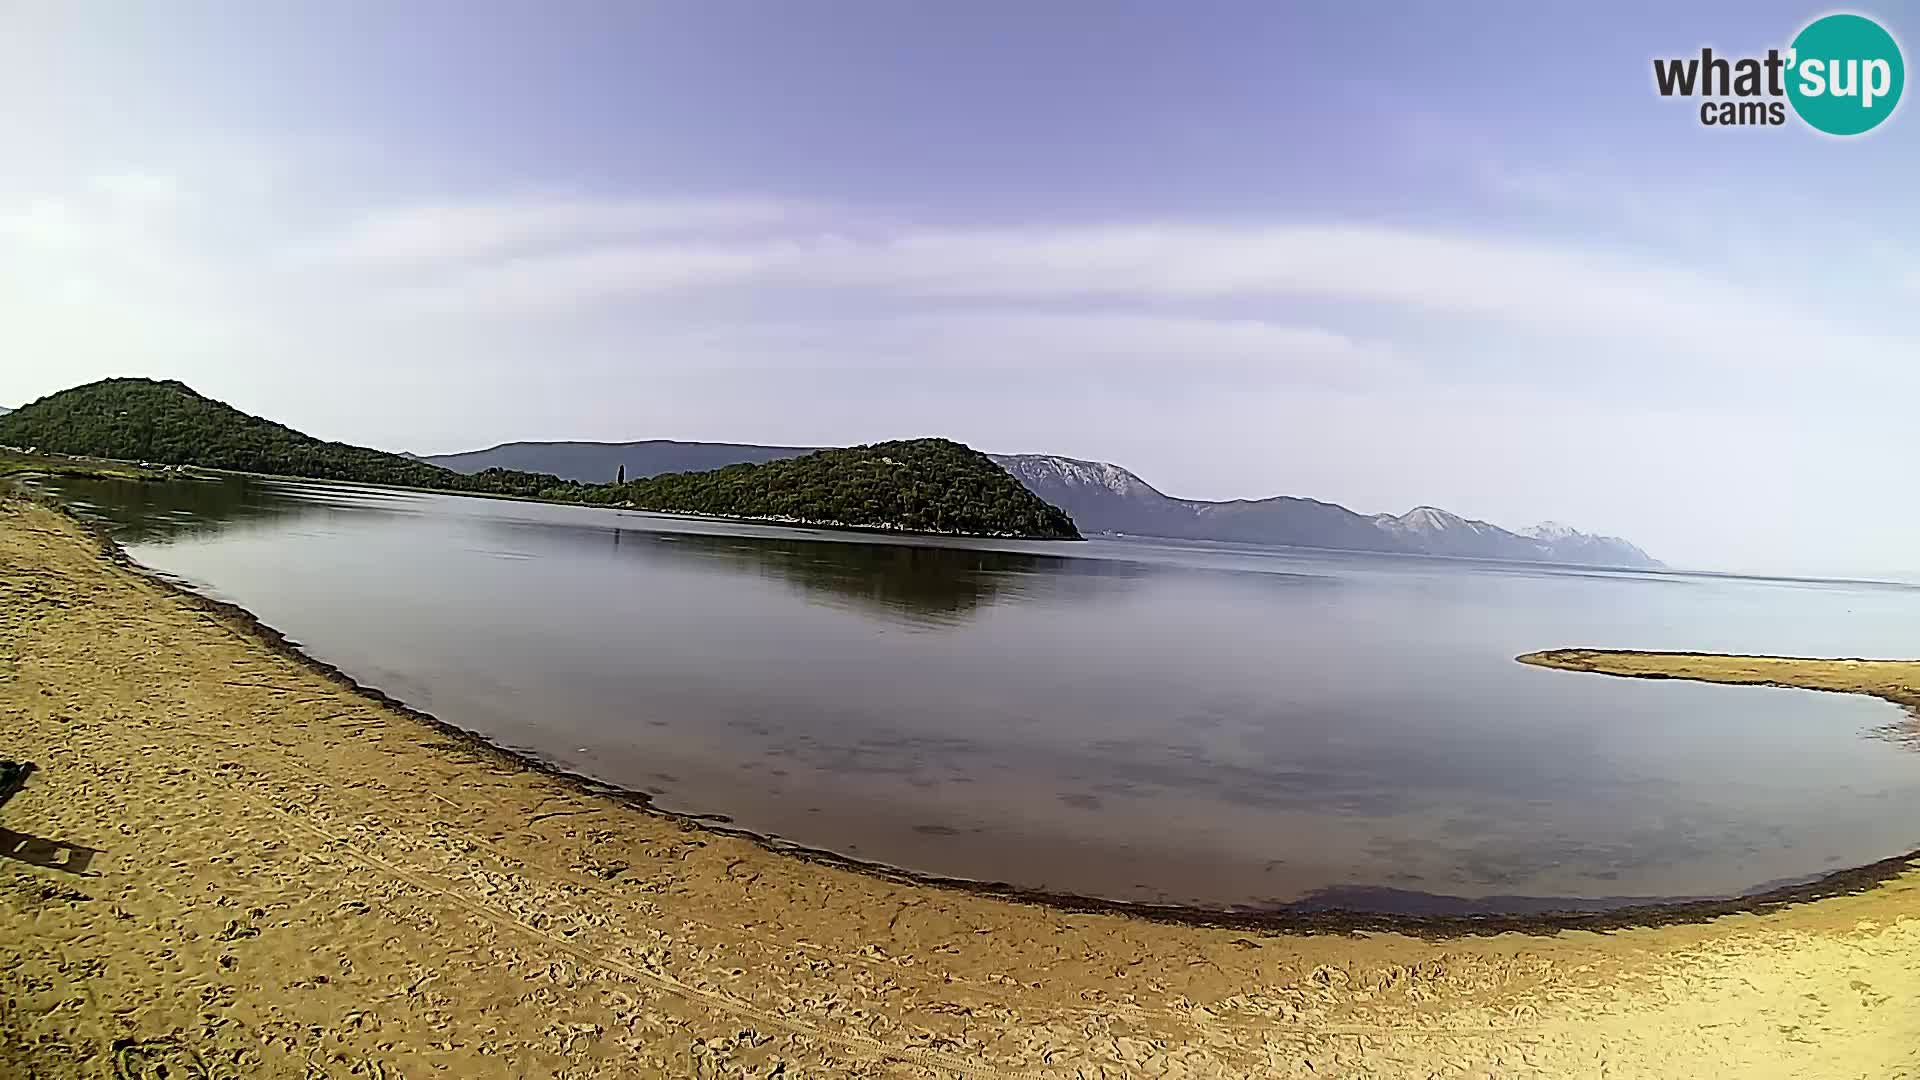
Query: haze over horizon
x,y
1382,263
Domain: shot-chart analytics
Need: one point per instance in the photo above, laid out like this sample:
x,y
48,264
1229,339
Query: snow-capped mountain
x,y
1101,497
1071,472
1427,525
1568,544
1106,498
1437,532
1551,531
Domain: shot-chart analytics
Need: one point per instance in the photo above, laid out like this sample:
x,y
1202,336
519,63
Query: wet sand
x,y
284,876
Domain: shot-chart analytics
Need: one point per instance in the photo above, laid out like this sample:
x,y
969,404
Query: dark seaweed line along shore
x,y
1278,921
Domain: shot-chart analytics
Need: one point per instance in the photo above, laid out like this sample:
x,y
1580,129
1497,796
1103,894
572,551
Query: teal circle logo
x,y
1845,74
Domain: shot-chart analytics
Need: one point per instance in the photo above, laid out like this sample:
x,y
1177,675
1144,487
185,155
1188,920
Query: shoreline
x,y
1437,926
291,878
1884,679
116,469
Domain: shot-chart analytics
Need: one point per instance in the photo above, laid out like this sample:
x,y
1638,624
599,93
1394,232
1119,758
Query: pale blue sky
x,y
1450,254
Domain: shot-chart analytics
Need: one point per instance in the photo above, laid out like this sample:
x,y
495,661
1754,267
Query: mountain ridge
x,y
599,462
1102,497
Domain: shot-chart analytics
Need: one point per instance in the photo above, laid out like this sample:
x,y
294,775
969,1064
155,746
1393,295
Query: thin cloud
x,y
140,189
1539,288
461,231
1034,345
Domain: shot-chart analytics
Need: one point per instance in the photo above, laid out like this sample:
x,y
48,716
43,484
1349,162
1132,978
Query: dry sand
x,y
285,877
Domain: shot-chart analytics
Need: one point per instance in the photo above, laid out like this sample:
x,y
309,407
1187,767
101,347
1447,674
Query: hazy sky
x,y
1378,254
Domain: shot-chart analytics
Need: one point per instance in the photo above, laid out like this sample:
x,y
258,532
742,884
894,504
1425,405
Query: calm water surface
x,y
1199,724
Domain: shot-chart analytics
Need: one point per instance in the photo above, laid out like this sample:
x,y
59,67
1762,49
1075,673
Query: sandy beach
x,y
231,863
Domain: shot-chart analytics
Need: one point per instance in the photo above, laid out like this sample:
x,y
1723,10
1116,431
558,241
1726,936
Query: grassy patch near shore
x,y
16,462
1897,681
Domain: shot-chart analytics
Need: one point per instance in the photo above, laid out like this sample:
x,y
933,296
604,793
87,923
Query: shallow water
x,y
1204,724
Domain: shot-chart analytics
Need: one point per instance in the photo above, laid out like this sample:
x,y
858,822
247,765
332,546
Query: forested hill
x,y
923,485
168,424
919,485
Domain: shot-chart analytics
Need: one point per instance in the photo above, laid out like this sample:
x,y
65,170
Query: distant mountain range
x,y
1105,498
599,463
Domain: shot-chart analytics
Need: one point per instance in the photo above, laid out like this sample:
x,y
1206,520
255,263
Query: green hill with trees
x,y
916,485
920,485
166,423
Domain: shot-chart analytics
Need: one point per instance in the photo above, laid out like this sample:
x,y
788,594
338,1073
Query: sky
x,y
1457,255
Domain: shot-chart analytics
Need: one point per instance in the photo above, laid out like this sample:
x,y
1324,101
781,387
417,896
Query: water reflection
x,y
914,583
1208,724
162,511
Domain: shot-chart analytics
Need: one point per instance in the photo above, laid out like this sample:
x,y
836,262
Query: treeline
x,y
168,424
916,485
921,485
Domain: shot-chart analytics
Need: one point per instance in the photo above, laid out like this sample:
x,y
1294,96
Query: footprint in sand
x,y
167,1058
157,1059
